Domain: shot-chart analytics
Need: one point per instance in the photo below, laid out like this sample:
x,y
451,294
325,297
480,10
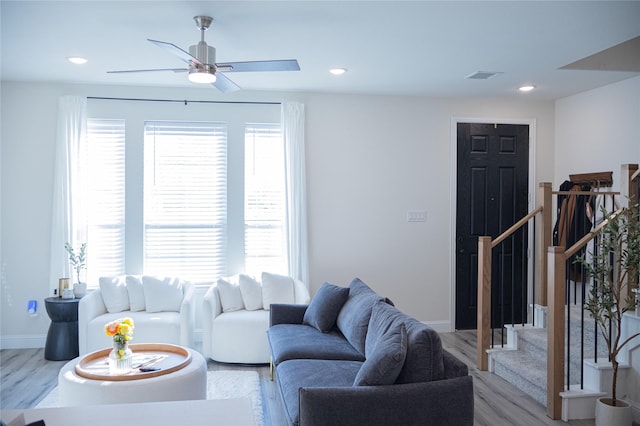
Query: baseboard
x,y
439,326
23,341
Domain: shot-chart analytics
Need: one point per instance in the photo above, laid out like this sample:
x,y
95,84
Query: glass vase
x,y
120,359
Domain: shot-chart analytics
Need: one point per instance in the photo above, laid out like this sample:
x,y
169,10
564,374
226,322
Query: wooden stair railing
x,y
485,248
557,261
546,274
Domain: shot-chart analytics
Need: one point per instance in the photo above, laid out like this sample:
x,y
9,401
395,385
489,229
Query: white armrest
x,y
300,292
211,308
89,307
187,316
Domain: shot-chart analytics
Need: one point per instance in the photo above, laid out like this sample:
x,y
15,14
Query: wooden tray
x,y
168,358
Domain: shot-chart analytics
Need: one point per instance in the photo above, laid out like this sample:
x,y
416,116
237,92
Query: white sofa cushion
x,y
240,336
162,294
114,293
251,291
276,289
230,296
136,293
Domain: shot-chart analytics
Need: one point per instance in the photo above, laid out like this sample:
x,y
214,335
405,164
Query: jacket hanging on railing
x,y
573,222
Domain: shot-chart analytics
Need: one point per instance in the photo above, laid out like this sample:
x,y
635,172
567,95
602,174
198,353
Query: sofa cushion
x,y
295,374
251,291
424,359
385,349
114,293
325,306
230,296
136,293
162,294
354,316
298,341
276,289
240,337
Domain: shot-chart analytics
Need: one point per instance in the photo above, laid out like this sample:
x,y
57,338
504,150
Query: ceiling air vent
x,y
482,75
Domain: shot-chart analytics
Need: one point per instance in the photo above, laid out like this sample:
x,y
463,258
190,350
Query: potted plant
x,y
613,265
78,262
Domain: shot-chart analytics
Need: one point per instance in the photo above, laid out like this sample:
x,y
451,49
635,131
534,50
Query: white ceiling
x,y
424,48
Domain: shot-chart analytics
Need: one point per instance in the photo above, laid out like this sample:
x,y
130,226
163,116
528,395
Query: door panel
x,y
492,194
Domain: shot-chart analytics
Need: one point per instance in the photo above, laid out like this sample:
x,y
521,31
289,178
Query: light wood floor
x,y
26,378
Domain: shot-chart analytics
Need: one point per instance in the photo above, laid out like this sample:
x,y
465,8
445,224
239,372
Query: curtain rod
x,y
185,101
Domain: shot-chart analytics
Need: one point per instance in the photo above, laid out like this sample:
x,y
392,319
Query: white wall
x,y
369,160
598,130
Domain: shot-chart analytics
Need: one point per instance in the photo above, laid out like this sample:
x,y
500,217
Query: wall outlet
x,y
416,216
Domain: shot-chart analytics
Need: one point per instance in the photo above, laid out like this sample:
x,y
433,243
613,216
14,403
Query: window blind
x,y
102,169
264,206
185,199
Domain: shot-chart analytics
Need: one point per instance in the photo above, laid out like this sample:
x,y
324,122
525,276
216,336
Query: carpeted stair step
x,y
526,367
526,372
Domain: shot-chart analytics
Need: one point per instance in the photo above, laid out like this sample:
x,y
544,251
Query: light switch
x,y
416,216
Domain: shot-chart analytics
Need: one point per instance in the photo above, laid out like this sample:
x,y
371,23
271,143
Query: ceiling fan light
x,y
202,76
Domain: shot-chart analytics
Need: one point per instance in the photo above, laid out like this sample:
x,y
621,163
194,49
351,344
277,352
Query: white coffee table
x,y
215,412
187,383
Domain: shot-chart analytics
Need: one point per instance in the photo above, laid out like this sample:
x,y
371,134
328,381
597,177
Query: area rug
x,y
222,384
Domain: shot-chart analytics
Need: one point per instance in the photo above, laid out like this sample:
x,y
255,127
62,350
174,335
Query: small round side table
x,y
62,338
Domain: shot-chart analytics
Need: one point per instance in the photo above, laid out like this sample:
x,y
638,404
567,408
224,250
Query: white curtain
x,y
68,218
293,133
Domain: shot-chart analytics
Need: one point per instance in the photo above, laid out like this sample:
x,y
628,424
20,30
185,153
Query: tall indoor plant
x,y
614,266
79,262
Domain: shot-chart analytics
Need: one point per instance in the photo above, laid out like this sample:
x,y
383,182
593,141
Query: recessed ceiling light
x,y
526,88
77,60
337,71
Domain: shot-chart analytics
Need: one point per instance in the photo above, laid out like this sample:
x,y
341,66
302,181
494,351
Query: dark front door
x,y
492,192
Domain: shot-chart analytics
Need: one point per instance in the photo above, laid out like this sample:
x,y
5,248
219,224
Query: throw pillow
x,y
230,296
162,294
325,307
276,289
353,319
114,293
386,350
136,293
251,291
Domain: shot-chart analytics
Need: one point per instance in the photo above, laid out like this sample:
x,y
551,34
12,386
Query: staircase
x,y
523,360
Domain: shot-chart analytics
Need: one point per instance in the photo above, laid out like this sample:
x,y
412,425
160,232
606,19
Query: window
x,y
264,200
102,170
204,191
185,199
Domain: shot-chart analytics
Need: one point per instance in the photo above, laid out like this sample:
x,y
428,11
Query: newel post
x,y
543,236
556,263
484,301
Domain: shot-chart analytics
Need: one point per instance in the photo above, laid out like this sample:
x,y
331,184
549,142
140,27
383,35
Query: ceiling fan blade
x,y
277,65
183,55
151,70
224,84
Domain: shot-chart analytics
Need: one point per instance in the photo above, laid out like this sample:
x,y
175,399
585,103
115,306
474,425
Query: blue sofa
x,y
351,358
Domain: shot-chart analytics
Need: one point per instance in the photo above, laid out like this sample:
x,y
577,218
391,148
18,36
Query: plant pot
x,y
609,415
79,290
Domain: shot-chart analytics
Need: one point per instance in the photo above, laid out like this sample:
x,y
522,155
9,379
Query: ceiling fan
x,y
201,63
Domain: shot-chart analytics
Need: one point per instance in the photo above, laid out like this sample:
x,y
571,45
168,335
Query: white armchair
x,y
236,316
161,308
